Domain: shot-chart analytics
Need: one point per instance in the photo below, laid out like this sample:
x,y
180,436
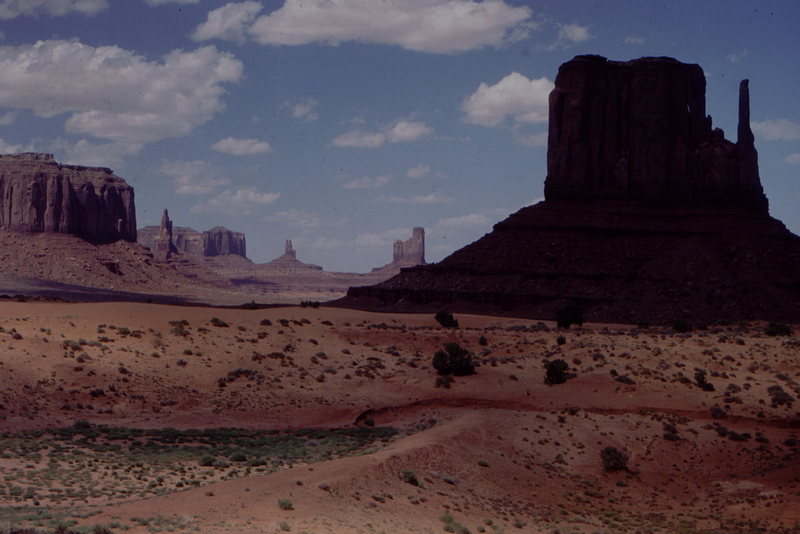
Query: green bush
x,y
453,360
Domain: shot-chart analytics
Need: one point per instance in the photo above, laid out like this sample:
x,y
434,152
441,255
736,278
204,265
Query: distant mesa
x,y
650,215
38,194
165,240
287,263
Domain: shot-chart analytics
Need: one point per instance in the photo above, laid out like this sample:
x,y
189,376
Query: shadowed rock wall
x,y
37,194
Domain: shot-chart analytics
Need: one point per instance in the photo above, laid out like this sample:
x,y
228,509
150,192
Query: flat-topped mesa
x,y
637,132
38,194
220,241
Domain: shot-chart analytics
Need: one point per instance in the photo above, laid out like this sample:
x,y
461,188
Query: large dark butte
x,y
650,215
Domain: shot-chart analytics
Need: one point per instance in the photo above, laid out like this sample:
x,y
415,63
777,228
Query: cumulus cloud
x,y
436,26
404,131
634,40
10,9
419,171
114,94
367,183
777,130
296,218
242,201
536,140
401,131
516,96
241,147
305,110
793,159
85,152
229,22
193,177
573,33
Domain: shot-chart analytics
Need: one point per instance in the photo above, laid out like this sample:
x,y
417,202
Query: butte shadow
x,y
650,215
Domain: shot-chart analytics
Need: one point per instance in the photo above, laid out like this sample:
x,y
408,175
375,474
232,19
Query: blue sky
x,y
340,124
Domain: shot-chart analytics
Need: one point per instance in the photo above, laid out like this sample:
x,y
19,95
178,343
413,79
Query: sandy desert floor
x,y
155,418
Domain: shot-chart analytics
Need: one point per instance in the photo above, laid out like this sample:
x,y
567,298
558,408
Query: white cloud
x,y
777,130
84,152
634,40
161,2
193,177
367,183
474,220
8,118
382,239
432,198
229,22
10,9
401,131
113,93
296,218
242,201
419,171
14,148
305,110
241,147
357,138
436,26
793,159
573,33
404,131
527,101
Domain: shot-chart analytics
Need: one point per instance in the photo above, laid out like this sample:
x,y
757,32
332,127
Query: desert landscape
x,y
157,418
620,355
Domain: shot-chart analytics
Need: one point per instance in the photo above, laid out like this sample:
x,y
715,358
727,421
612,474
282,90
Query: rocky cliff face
x,y
650,215
220,241
637,131
37,194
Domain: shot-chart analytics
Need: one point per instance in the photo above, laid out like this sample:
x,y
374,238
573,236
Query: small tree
x,y
614,459
446,319
555,372
569,315
453,360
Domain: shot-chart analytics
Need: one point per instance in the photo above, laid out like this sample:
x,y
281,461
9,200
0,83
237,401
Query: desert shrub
x,y
555,372
309,304
409,477
561,340
569,315
446,319
778,329
285,504
682,326
482,341
237,456
453,360
614,459
444,381
779,396
206,461
216,321
700,380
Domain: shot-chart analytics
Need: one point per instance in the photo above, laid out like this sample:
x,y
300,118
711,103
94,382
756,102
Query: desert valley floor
x,y
154,418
